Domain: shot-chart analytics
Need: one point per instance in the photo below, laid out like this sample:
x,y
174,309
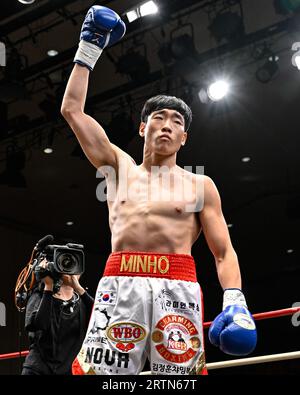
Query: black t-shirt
x,y
56,331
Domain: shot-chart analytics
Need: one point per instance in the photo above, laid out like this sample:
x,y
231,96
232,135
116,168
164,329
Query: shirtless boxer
x,y
149,288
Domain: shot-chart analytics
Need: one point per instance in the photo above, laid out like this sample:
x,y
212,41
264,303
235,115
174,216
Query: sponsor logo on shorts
x,y
90,340
106,297
149,264
176,341
198,368
170,369
176,338
195,342
244,321
126,334
100,321
102,360
168,301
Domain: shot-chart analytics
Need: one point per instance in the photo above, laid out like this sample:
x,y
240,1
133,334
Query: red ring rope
x,y
257,317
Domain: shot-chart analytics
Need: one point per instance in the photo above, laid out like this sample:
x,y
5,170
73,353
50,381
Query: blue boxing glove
x,y
102,27
234,331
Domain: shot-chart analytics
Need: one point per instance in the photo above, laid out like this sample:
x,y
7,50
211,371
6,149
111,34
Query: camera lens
x,y
66,263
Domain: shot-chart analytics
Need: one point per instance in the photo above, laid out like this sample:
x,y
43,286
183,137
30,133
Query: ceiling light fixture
x,y
26,1
52,52
144,9
268,71
48,150
218,90
246,159
148,8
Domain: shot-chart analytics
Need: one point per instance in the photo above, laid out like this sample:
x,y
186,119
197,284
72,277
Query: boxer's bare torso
x,y
143,223
155,210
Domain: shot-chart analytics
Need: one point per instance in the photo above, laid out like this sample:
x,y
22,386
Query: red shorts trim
x,y
151,264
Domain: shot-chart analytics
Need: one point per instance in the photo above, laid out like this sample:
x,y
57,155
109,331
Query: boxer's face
x,y
164,131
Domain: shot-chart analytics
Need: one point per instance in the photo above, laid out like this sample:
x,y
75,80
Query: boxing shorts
x,y
146,305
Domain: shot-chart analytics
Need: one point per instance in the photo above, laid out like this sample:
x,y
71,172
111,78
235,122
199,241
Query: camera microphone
x,y
41,244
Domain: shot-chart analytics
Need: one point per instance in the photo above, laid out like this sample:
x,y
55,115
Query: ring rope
x,y
225,364
267,315
254,360
247,361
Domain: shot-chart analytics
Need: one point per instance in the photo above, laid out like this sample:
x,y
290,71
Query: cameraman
x,y
57,323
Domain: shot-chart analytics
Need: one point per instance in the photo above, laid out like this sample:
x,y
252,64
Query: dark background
x,y
261,197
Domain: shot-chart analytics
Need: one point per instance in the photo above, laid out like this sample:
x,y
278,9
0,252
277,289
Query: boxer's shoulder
x,y
211,193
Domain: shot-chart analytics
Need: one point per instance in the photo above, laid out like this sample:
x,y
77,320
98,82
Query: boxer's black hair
x,y
160,102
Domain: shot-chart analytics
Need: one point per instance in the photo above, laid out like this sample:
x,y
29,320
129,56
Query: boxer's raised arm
x,y
102,27
88,131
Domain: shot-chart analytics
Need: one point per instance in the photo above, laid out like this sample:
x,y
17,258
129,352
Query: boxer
x,y
149,302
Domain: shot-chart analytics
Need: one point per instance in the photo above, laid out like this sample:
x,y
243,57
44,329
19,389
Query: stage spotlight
x,y
260,51
265,73
48,148
134,64
182,46
246,159
132,16
26,1
52,52
218,90
178,48
228,26
48,151
141,10
148,8
214,92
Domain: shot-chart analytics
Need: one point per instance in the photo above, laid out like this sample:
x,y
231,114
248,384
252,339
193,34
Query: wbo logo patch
x,y
126,334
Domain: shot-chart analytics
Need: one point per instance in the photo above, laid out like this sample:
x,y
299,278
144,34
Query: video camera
x,y
61,259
